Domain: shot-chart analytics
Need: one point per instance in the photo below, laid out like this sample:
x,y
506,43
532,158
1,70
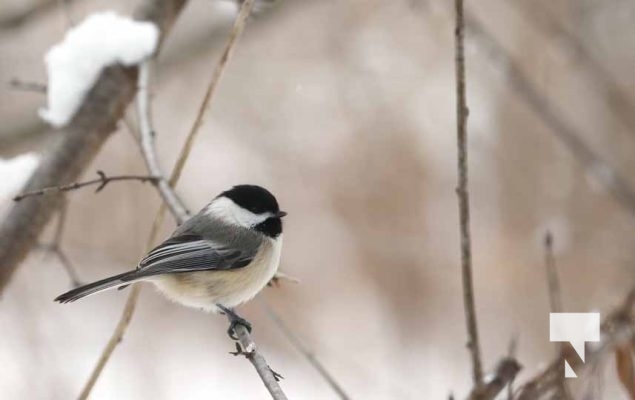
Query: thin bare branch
x,y
65,6
494,383
235,33
114,340
614,183
621,102
250,351
70,269
102,181
38,8
464,199
56,246
148,148
26,86
302,349
553,282
555,301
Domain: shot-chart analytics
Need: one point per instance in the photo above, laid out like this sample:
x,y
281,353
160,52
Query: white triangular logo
x,y
568,371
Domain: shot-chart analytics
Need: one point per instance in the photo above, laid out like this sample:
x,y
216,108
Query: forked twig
x,y
102,181
25,86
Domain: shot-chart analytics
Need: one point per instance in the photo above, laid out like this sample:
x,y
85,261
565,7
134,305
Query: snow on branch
x,y
73,66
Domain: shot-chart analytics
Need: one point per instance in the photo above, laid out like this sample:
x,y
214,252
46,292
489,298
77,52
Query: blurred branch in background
x,y
306,352
555,301
553,282
35,10
78,143
620,101
503,375
592,163
55,247
26,86
463,194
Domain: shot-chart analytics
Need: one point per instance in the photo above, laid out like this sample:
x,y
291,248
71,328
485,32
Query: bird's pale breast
x,y
205,289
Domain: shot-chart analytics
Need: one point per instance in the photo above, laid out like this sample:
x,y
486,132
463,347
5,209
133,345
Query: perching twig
x,y
464,199
250,351
236,31
25,86
102,181
307,353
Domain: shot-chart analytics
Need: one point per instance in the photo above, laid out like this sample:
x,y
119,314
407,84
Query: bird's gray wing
x,y
189,253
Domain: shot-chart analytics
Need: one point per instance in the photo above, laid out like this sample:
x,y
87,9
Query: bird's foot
x,y
234,321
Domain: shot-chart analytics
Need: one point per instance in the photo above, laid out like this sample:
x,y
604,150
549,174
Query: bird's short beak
x,y
280,214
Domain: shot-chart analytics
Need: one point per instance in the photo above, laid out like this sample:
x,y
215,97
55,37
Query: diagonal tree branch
x,y
236,31
178,210
622,104
115,339
615,184
78,143
307,353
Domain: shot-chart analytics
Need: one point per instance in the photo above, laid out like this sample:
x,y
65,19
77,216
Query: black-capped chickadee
x,y
218,259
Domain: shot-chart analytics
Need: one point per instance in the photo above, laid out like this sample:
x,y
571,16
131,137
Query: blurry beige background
x,y
345,110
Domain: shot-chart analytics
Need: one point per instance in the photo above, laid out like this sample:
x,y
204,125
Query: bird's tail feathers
x,y
114,281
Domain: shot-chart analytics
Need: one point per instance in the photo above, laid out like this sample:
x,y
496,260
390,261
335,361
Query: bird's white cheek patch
x,y
228,211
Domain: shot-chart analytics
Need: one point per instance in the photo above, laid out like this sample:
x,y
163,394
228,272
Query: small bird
x,y
218,259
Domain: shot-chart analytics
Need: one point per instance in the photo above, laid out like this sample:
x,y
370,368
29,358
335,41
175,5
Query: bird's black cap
x,y
254,198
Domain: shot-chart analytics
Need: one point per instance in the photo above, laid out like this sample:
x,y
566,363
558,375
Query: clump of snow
x,y
15,172
73,66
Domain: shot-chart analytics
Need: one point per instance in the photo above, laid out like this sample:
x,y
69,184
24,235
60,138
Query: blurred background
x,y
346,111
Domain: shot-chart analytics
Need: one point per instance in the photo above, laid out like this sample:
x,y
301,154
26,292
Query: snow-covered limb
x,y
76,146
73,66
